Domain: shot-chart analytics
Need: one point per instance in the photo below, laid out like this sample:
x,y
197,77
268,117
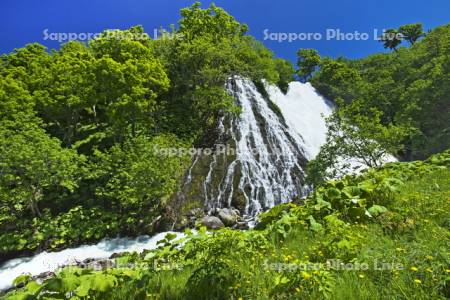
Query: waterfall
x,y
305,111
270,142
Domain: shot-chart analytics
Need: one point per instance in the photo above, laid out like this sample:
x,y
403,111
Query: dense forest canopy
x,y
79,125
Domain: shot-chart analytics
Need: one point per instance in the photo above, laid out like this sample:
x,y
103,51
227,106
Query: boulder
x,y
212,222
228,216
241,226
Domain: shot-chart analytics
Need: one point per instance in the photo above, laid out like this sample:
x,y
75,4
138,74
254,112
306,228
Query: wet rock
x,y
193,215
212,222
88,260
196,213
40,278
21,284
241,226
44,275
228,216
115,255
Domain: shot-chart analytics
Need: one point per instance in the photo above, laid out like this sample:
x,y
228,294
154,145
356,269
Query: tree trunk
x,y
35,194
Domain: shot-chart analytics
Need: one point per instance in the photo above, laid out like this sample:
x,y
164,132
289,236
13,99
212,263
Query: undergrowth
x,y
381,235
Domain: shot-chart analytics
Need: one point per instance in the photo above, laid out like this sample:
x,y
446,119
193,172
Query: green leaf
x,y
54,285
333,193
314,225
170,236
103,282
33,288
377,210
84,288
22,279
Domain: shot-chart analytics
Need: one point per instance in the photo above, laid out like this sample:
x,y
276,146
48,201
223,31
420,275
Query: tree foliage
x,y
354,140
32,164
391,39
409,87
412,32
307,61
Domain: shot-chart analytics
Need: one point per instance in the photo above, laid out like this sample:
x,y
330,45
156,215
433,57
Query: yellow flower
x,y
448,271
429,257
306,275
298,290
361,275
414,269
240,298
429,270
417,281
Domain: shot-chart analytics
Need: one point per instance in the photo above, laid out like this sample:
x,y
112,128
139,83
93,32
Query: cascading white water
x,y
305,111
269,159
271,148
51,261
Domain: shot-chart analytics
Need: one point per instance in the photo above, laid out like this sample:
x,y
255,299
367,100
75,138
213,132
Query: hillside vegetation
x,y
381,235
410,87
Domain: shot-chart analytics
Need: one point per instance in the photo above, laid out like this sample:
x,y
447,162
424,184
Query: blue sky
x,y
24,22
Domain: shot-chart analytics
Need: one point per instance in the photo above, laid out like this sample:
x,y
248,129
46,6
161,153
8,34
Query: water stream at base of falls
x,y
51,261
271,150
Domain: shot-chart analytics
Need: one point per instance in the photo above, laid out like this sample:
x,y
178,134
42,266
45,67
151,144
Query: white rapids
x,y
51,261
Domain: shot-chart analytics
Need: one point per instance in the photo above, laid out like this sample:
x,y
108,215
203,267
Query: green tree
x,y
307,61
285,72
333,74
128,79
411,32
409,87
213,22
32,163
391,39
14,98
354,139
139,176
65,98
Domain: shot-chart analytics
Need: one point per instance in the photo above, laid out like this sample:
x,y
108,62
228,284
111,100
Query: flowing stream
x,y
51,261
